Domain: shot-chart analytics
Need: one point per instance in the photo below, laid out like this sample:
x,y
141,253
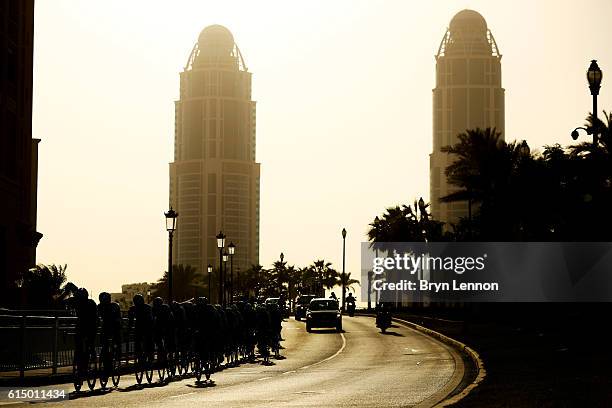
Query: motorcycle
x,y
350,307
383,320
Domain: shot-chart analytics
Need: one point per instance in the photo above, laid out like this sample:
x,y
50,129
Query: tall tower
x,y
468,95
18,150
214,179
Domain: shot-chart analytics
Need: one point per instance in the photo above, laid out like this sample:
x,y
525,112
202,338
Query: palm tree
x,y
489,173
346,281
404,224
42,284
253,280
186,283
326,276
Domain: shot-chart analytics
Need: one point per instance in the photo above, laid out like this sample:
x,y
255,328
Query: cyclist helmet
x,y
138,299
104,297
157,302
82,293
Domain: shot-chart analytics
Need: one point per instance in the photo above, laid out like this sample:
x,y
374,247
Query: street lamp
x,y
220,246
280,284
231,251
171,217
524,149
225,257
377,232
343,266
209,275
594,76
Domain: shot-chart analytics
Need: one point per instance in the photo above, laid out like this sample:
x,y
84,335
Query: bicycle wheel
x,y
140,367
77,378
172,364
105,369
148,368
92,370
116,367
208,367
197,368
161,365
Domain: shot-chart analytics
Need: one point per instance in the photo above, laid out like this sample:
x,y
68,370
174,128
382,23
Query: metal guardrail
x,y
42,342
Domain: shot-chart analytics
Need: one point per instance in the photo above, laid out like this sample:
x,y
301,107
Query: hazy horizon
x,y
344,115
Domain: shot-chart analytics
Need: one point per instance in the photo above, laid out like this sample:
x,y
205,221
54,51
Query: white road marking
x,y
330,357
288,372
265,378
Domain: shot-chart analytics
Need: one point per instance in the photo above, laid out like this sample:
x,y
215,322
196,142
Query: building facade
x,y
18,151
214,179
128,291
468,95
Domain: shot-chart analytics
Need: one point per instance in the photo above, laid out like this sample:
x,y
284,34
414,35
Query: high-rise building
x,y
468,95
214,179
18,151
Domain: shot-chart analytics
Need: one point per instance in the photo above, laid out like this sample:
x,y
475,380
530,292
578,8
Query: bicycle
x,y
86,369
110,363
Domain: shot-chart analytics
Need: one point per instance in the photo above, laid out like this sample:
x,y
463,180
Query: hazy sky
x,y
344,114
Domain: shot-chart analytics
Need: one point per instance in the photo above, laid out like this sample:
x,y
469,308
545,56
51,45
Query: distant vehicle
x,y
383,317
282,306
323,312
301,305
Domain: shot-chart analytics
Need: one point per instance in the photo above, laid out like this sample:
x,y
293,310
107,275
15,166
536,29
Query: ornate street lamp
x,y
343,266
220,246
231,251
171,217
594,77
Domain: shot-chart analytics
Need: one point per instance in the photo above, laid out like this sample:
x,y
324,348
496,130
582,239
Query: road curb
x,y
465,350
472,355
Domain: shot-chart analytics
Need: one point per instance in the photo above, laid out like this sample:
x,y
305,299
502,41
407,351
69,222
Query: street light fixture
x,y
524,149
594,77
343,266
209,269
231,250
220,246
171,217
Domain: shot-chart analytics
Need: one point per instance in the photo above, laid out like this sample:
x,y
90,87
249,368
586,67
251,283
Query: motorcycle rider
x,y
350,304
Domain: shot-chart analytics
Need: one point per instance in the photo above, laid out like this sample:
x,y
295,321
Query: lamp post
x,y
594,76
209,269
231,251
377,232
225,257
343,266
171,217
220,246
280,283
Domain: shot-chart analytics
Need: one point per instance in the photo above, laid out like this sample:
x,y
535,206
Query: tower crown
x,y
215,47
468,35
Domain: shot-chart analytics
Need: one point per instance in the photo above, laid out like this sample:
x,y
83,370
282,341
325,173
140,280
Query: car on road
x,y
301,305
281,305
323,312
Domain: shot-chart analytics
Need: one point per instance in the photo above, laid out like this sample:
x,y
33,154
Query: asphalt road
x,y
358,368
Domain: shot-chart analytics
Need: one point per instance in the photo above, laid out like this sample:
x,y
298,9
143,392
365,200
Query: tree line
x,y
280,280
559,193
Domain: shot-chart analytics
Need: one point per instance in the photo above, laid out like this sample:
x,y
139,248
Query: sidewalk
x,y
33,378
562,361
